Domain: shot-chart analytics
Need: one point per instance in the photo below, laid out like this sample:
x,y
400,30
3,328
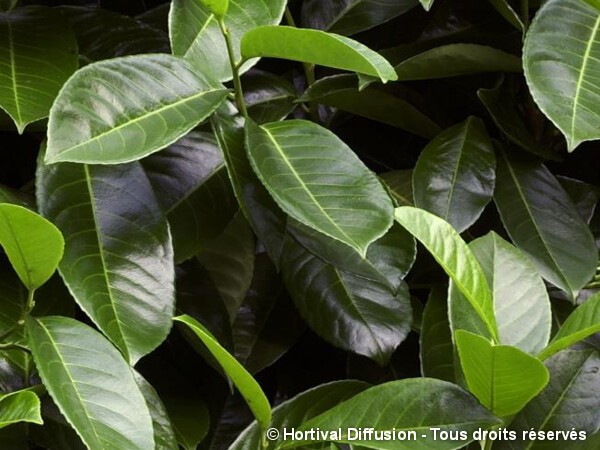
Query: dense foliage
x,y
223,219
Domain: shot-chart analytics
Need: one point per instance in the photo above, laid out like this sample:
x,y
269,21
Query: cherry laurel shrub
x,y
264,224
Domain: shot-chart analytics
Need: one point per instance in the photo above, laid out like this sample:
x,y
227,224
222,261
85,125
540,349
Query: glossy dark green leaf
x,y
341,91
503,378
521,303
581,323
268,98
388,259
127,36
15,197
502,107
19,406
33,40
367,318
119,110
190,419
569,403
315,47
399,183
33,245
248,387
560,246
349,17
118,261
229,259
417,405
346,202
55,433
164,437
261,211
292,413
196,35
435,345
562,49
190,181
455,60
584,195
267,324
86,376
454,256
455,174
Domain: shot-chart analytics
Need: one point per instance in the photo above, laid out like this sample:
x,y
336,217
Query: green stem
x,y
26,310
237,83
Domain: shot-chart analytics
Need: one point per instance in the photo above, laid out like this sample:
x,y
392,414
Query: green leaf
x,y
399,183
346,201
521,303
410,405
86,376
33,41
503,378
568,403
585,196
340,91
455,174
248,387
455,60
507,11
365,317
191,183
190,419
268,98
119,110
454,256
350,17
295,411
118,261
581,323
570,29
315,47
16,197
217,7
261,211
33,245
427,4
19,406
229,259
435,345
128,36
560,246
195,33
164,437
501,105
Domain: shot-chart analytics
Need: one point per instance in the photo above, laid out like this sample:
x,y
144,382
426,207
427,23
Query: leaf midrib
x,y
13,72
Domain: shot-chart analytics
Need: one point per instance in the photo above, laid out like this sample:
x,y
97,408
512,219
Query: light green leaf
x,y
19,406
455,174
562,49
119,110
569,402
503,378
91,383
261,211
415,405
427,4
248,387
521,303
315,47
191,183
217,7
33,41
435,340
455,257
581,323
33,245
560,246
295,411
341,91
363,316
195,33
455,60
345,201
118,261
350,17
